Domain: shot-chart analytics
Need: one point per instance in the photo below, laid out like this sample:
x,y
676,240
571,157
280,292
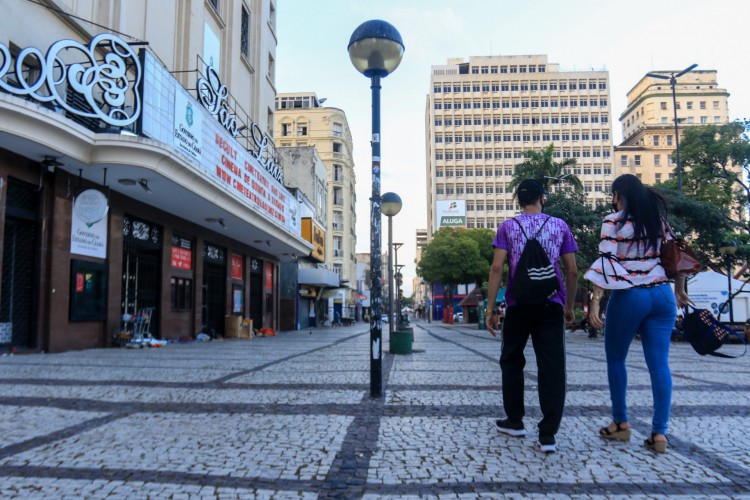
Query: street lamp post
x,y
375,49
673,83
728,249
391,203
396,268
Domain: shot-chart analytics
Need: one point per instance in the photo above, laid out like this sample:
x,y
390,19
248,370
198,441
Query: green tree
x,y
454,257
703,222
541,166
484,238
714,189
710,155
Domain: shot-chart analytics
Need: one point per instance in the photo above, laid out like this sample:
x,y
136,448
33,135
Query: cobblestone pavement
x,y
290,416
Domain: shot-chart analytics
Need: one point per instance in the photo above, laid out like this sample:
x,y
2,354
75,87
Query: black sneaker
x,y
547,443
511,428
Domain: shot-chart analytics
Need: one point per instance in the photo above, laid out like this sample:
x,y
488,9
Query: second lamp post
x,y
391,207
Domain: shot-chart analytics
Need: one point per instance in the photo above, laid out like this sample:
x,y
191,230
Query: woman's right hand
x,y
682,298
594,319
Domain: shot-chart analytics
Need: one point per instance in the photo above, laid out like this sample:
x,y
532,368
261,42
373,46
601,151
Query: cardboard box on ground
x,y
237,327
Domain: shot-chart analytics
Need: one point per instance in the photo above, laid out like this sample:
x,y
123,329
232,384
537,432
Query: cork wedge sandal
x,y
619,434
657,446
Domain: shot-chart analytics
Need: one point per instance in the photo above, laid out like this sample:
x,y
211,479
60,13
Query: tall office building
x,y
483,115
302,121
648,122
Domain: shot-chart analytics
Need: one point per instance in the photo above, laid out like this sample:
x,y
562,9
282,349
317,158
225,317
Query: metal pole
x,y
673,82
432,300
729,290
398,291
376,259
391,328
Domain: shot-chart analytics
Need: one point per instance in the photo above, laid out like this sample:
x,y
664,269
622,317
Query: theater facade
x,y
128,200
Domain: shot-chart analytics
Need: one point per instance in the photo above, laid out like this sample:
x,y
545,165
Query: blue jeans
x,y
652,313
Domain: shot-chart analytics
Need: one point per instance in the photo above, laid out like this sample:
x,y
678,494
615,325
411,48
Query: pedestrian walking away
x,y
641,302
539,305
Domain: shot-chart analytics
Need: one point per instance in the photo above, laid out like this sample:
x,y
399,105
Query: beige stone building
x,y
301,120
420,288
648,134
484,114
147,195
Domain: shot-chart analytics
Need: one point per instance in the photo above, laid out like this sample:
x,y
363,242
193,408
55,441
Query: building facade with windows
x,y
302,121
305,305
145,196
420,288
483,115
648,141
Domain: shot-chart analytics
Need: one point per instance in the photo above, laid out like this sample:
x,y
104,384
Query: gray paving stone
x,y
290,416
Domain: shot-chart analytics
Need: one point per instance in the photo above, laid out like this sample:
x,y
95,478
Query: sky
x,y
628,39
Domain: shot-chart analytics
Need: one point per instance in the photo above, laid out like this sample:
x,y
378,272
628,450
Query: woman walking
x,y
641,302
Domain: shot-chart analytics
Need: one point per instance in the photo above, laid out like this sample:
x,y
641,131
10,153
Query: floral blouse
x,y
623,261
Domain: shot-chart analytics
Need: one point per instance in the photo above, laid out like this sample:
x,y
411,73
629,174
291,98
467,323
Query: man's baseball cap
x,y
529,191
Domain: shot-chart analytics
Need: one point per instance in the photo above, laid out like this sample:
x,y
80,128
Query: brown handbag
x,y
677,258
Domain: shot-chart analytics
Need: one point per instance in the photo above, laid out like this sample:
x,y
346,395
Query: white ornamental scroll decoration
x,y
103,84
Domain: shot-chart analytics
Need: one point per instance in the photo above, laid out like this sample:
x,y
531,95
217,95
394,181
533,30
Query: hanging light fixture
x,y
51,163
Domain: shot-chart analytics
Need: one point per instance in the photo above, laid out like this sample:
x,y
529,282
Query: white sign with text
x,y
88,230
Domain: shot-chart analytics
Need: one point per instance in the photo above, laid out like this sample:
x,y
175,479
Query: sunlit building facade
x,y
483,115
302,120
648,122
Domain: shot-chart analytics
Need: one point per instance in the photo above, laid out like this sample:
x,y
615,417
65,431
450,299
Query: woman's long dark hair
x,y
644,206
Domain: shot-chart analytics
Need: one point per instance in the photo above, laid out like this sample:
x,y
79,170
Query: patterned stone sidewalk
x,y
291,417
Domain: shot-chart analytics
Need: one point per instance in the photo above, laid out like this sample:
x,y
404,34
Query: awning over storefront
x,y
473,299
318,277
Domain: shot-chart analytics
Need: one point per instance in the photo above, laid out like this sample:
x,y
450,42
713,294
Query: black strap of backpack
x,y
538,231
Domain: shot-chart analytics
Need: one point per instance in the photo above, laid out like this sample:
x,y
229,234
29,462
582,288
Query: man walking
x,y
538,305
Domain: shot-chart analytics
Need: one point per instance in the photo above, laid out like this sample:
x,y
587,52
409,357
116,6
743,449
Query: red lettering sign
x,y
79,282
182,258
237,268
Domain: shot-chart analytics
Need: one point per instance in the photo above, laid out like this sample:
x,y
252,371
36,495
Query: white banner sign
x,y
88,231
188,125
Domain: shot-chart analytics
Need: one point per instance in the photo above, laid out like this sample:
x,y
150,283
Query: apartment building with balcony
x,y
483,115
648,131
301,120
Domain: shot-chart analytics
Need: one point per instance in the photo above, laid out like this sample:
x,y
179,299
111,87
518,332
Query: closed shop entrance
x,y
20,266
256,292
214,289
141,273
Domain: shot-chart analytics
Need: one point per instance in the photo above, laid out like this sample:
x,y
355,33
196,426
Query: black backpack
x,y
535,280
